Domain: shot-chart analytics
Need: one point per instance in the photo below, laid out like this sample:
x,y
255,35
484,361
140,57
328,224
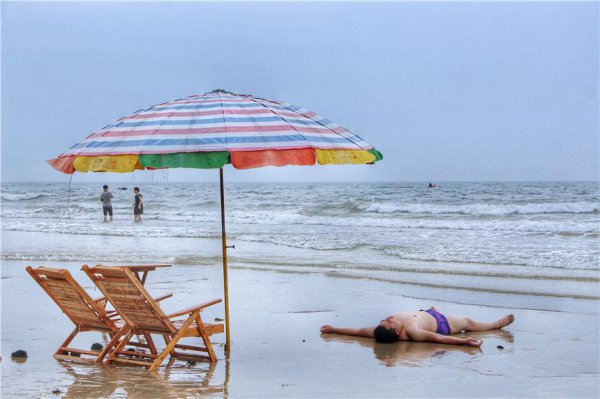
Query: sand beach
x,y
277,349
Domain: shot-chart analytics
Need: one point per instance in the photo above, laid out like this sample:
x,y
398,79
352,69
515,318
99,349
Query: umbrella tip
x,y
216,91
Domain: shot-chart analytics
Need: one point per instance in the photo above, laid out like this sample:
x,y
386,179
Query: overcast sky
x,y
447,92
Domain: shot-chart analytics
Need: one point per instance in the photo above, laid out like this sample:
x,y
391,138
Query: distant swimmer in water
x,y
425,326
432,185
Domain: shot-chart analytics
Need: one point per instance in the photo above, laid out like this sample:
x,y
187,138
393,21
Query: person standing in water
x,y
138,206
106,198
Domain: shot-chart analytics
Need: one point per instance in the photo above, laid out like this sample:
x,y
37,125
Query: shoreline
x,y
461,283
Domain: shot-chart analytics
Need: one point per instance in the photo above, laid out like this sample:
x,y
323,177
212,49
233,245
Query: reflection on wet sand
x,y
502,335
415,354
196,380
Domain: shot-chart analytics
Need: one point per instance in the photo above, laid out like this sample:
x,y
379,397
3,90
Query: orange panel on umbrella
x,y
256,159
63,164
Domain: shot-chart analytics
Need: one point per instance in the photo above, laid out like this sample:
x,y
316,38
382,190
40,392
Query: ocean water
x,y
539,238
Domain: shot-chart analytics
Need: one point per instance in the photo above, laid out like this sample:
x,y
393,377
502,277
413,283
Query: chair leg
x,y
111,344
150,343
206,338
66,342
171,346
167,340
119,347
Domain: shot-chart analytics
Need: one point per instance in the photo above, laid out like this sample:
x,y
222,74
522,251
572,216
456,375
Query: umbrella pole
x,y
224,246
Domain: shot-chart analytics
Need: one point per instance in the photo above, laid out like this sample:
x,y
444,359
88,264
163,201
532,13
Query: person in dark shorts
x,y
106,198
424,325
138,206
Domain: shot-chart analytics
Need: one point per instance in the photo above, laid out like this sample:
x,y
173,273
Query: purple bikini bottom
x,y
442,323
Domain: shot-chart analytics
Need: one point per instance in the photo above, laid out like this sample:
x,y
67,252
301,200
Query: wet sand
x,y
550,351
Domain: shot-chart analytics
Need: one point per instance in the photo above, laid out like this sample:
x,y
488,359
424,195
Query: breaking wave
x,y
484,209
22,197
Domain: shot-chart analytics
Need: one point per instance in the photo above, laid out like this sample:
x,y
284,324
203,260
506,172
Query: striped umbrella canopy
x,y
211,130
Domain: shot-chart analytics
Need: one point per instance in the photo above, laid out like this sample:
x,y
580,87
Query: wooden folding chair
x,y
143,315
86,313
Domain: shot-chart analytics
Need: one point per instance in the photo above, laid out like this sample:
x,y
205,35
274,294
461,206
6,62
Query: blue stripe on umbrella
x,y
165,122
212,140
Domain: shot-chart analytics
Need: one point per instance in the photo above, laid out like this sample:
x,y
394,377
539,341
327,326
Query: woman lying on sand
x,y
423,325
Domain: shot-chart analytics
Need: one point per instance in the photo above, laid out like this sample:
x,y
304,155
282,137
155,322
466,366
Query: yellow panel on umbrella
x,y
339,157
108,163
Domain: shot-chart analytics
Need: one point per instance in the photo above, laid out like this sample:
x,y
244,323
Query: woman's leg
x,y
458,324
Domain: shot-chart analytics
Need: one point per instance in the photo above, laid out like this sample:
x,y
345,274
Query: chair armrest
x,y
160,298
194,308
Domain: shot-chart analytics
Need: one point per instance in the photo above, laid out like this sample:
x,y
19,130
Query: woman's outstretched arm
x,y
359,332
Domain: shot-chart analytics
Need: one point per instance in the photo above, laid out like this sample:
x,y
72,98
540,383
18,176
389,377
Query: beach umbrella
x,y
210,131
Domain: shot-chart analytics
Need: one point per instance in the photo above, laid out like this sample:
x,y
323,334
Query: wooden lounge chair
x,y
86,313
143,315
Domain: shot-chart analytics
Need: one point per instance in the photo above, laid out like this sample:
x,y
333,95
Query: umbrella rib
x,y
253,99
152,107
186,101
170,115
316,121
226,144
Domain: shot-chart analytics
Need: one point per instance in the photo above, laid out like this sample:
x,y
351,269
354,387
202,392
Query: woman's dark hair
x,y
105,186
385,335
136,189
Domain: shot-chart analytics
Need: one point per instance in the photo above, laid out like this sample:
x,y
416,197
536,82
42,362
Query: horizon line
x,y
318,181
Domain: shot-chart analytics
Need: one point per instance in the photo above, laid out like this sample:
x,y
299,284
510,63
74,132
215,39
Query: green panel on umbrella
x,y
197,160
377,154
